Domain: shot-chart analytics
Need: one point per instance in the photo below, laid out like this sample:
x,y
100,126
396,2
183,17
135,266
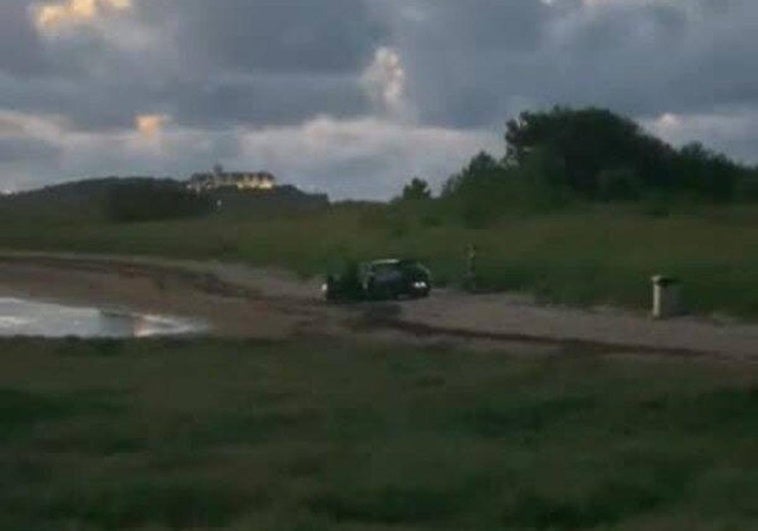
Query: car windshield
x,y
385,267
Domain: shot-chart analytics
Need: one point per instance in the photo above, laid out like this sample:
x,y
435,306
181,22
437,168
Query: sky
x,y
353,97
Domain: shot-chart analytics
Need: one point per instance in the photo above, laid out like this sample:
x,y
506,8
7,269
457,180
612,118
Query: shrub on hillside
x,y
619,184
150,200
557,157
607,156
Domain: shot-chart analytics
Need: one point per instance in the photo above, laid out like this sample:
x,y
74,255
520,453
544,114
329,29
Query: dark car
x,y
379,279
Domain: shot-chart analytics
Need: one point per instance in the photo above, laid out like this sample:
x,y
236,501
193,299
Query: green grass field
x,y
583,255
175,434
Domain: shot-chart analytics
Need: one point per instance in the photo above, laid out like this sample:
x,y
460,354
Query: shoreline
x,y
145,291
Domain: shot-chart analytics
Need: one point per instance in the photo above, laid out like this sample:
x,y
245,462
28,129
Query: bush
x,y
416,190
148,200
621,184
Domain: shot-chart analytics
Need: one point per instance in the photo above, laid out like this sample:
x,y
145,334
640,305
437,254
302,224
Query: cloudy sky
x,y
352,97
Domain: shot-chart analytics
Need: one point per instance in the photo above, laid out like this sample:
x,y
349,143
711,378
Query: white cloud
x,y
54,15
35,127
365,157
734,132
151,125
679,128
385,81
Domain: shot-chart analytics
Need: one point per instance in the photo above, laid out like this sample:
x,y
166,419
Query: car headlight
x,y
324,288
420,284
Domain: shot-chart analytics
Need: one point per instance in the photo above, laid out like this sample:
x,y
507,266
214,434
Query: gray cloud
x,y
642,58
300,36
21,53
208,63
16,150
260,100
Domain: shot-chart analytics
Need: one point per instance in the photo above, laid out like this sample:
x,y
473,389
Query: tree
x,y
619,184
555,157
708,174
543,172
481,170
482,191
590,141
152,199
416,190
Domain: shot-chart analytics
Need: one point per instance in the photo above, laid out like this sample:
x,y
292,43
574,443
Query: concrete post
x,y
666,297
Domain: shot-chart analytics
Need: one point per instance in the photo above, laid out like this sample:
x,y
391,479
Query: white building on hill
x,y
218,178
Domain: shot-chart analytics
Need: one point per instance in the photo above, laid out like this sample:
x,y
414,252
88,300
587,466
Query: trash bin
x,y
666,297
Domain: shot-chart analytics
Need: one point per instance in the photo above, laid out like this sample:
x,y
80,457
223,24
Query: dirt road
x,y
240,300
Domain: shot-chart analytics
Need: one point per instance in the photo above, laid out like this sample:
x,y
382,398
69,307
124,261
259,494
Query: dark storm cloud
x,y
266,99
470,27
641,58
685,57
301,36
206,63
468,64
20,50
619,28
111,105
263,62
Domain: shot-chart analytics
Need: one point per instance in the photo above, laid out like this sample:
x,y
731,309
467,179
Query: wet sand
x,y
149,290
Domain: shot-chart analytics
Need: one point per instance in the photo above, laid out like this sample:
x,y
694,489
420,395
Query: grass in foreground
x,y
174,434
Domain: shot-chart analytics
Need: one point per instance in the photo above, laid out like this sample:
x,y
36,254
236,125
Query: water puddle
x,y
23,317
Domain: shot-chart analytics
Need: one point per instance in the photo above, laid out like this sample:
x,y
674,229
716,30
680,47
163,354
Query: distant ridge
x,y
89,198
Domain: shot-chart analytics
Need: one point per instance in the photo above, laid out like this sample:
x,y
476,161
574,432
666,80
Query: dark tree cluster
x,y
416,190
607,156
596,155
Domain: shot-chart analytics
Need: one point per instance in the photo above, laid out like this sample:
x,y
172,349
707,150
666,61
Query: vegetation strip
x,y
325,434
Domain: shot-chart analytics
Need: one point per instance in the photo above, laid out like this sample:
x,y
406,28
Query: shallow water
x,y
23,317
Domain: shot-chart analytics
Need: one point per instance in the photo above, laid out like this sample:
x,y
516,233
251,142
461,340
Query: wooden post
x,y
471,267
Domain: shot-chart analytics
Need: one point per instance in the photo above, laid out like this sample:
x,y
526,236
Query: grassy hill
x,y
130,199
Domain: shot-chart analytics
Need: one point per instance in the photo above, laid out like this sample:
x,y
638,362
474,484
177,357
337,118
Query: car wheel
x,y
329,290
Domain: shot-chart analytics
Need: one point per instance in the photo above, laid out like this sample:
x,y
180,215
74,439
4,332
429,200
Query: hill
x,y
128,199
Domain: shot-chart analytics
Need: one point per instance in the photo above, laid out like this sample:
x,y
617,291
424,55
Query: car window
x,y
385,268
387,272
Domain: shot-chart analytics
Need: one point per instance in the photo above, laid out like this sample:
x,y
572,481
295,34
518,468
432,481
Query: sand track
x,y
244,301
